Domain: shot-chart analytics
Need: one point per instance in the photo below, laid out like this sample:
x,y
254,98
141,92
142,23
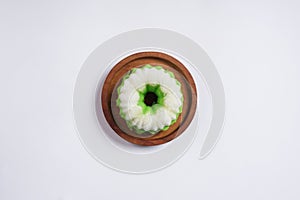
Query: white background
x,y
255,46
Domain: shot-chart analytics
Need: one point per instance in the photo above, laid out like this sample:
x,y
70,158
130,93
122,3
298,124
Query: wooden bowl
x,y
113,80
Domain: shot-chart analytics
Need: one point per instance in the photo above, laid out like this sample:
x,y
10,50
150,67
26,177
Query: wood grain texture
x,y
113,80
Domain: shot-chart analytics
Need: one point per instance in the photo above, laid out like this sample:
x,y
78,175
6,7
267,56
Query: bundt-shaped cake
x,y
150,99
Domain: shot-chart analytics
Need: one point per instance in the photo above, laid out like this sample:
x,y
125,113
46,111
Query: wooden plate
x,y
109,96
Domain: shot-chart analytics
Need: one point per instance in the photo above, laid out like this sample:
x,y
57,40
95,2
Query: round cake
x,y
150,99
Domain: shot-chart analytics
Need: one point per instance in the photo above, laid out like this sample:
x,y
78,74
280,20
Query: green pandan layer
x,y
155,88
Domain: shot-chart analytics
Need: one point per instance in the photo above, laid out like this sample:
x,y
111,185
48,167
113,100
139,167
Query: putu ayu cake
x,y
150,99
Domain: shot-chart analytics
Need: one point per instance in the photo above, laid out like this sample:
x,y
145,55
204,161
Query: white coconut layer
x,y
166,113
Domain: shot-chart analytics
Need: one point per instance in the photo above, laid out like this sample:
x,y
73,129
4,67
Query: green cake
x,y
150,99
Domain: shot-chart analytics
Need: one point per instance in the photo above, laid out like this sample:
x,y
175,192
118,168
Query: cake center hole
x,y
150,98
